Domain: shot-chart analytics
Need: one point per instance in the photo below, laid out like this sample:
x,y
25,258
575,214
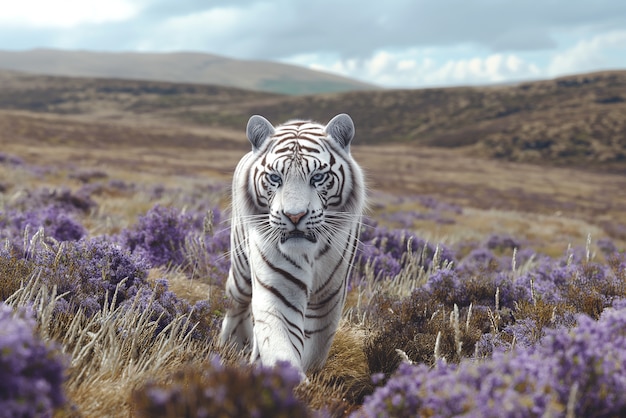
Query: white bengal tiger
x,y
297,201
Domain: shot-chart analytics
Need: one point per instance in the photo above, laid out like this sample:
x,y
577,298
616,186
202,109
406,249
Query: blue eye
x,y
274,178
317,178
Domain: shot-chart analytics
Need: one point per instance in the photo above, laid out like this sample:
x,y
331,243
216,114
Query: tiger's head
x,y
304,179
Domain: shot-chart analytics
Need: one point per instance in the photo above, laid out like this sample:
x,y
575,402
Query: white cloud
x,y
413,68
70,13
397,43
228,30
590,54
215,20
196,31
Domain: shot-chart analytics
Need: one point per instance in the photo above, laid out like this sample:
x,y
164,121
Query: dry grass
x,y
112,352
547,206
162,155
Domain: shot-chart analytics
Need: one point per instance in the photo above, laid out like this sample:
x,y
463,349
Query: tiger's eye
x,y
317,178
274,178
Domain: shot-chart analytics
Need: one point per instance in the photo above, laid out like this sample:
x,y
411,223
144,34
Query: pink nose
x,y
295,218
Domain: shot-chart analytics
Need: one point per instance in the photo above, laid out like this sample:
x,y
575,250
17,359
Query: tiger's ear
x,y
258,130
341,129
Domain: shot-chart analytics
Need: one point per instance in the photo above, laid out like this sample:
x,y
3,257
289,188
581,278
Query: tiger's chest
x,y
306,265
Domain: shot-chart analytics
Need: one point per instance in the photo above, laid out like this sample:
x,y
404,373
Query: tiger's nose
x,y
295,217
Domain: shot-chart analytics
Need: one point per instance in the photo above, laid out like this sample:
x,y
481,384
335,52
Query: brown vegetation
x,y
190,137
169,133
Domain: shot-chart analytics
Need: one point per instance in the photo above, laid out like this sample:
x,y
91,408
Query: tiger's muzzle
x,y
298,234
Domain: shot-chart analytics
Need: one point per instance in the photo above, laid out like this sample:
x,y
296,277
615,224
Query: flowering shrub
x,y
576,368
91,269
504,386
163,307
10,159
54,210
497,309
500,331
218,390
385,250
159,236
31,372
207,252
420,325
86,271
56,223
63,199
458,287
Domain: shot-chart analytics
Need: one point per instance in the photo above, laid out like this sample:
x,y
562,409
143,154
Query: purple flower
x,y
163,304
88,270
502,242
591,356
224,390
462,287
607,246
31,372
385,250
159,236
57,224
583,368
57,211
10,159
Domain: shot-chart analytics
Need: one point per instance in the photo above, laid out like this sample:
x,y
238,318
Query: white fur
x,y
279,289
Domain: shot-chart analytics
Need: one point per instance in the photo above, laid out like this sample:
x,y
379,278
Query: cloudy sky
x,y
395,43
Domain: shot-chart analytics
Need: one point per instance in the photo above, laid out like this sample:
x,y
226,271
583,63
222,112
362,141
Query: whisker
x,y
337,242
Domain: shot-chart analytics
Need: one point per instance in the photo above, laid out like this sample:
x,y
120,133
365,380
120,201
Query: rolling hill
x,y
183,67
551,148
571,121
114,161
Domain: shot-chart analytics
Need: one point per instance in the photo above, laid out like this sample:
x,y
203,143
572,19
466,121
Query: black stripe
x,y
321,304
279,295
291,325
286,257
322,252
239,288
332,274
298,335
236,298
350,245
307,333
241,321
310,150
331,309
284,273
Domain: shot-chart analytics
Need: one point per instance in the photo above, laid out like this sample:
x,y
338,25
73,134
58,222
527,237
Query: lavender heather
x,y
86,271
579,368
385,249
64,199
10,159
219,390
57,224
159,236
163,304
31,371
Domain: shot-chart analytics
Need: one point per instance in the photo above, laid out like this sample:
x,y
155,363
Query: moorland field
x,y
468,186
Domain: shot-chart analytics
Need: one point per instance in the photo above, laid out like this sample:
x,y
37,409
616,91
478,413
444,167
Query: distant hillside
x,y
574,120
577,121
181,68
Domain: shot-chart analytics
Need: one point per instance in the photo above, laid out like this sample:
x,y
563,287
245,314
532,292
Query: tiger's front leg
x,y
237,323
279,299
